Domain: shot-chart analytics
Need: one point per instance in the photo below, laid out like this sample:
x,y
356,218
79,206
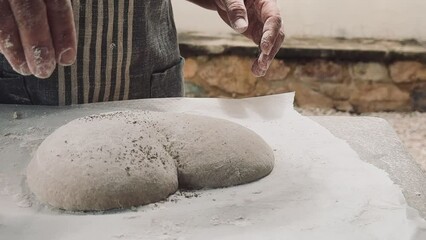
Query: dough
x,y
124,159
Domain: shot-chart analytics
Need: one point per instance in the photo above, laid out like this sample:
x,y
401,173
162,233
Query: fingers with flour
x,y
62,27
10,42
237,13
269,13
261,65
272,34
34,31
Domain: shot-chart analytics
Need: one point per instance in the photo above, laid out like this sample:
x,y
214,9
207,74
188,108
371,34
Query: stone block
x,y
380,97
262,88
375,72
336,91
307,97
379,92
408,72
343,106
320,71
278,71
231,74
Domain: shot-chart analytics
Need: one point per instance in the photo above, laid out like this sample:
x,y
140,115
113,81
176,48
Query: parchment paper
x,y
319,189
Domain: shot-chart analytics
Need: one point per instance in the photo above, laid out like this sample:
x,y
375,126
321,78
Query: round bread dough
x,y
123,159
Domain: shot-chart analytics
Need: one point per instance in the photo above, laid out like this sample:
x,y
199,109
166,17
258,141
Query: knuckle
x,y
276,21
22,6
267,38
60,6
28,13
5,17
7,26
29,23
6,14
236,7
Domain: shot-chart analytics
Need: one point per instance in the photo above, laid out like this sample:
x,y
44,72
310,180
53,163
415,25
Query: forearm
x,y
209,4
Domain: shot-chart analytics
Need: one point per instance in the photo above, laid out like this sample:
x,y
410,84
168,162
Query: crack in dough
x,y
131,158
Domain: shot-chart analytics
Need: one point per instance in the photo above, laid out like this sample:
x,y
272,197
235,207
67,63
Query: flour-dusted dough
x,y
124,159
214,153
102,162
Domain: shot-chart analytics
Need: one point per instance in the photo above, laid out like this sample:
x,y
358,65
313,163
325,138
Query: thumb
x,y
237,13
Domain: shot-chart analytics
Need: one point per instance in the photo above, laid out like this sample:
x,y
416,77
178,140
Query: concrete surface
x,y
409,126
375,141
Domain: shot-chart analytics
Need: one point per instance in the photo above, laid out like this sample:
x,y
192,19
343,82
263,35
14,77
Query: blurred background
x,y
342,57
383,19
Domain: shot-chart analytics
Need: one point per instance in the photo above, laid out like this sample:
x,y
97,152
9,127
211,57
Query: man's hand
x,y
37,34
259,20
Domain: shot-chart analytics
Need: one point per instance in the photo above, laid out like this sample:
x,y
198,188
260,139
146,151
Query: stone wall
x,y
354,85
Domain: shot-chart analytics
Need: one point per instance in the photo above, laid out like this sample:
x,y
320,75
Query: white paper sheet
x,y
319,189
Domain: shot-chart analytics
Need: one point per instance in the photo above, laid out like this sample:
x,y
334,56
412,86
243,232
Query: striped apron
x,y
127,49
